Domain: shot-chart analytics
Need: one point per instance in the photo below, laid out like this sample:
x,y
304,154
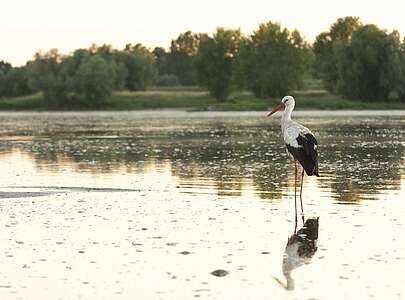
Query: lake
x,y
182,205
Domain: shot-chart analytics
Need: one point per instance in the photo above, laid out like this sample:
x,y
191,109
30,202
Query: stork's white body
x,y
291,129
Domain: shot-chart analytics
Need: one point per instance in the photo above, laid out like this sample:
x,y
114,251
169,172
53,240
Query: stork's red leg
x,y
295,195
302,207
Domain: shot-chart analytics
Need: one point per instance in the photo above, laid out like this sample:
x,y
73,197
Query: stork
x,y
301,145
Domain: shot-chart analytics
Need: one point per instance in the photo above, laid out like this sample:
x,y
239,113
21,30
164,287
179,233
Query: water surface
x,y
147,205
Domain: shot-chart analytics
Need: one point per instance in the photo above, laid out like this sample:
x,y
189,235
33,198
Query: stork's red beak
x,y
281,106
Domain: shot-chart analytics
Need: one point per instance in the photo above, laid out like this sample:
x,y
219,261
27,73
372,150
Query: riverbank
x,y
200,100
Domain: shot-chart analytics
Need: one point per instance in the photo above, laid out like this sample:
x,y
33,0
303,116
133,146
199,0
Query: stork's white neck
x,y
286,115
287,112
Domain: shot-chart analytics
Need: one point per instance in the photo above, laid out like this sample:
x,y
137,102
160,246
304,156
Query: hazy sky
x,y
30,25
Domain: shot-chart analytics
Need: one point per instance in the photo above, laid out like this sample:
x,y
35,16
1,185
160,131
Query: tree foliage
x,y
93,81
116,64
360,61
13,81
179,61
161,58
167,80
353,60
215,59
325,50
139,62
367,66
45,75
399,63
273,61
87,77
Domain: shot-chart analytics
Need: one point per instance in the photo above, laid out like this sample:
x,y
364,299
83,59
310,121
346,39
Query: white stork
x,y
301,144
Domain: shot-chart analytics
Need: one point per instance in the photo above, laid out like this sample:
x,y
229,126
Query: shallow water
x,y
148,205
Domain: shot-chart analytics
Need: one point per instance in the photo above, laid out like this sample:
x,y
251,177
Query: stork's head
x,y
286,102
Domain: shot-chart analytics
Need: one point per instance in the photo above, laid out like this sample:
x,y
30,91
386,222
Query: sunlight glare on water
x,y
177,205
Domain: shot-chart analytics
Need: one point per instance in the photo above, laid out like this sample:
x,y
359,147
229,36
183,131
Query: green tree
x,y
325,48
70,65
215,59
140,64
273,61
93,81
161,57
15,83
369,66
5,68
44,75
165,76
179,61
83,79
112,57
400,63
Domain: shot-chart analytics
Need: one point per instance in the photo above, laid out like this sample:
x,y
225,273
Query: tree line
x,y
354,60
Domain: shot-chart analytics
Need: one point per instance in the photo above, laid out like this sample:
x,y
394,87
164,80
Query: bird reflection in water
x,y
300,249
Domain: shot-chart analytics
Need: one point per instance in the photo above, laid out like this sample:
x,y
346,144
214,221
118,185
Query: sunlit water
x,y
145,205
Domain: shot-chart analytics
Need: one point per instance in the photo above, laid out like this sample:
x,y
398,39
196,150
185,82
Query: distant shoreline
x,y
179,113
200,100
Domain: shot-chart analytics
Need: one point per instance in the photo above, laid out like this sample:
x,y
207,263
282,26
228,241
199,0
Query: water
x,y
177,205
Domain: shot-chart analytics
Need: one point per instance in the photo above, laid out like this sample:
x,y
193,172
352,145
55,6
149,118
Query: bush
x,y
167,80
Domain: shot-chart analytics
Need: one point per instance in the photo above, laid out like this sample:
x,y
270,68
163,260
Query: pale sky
x,y
27,26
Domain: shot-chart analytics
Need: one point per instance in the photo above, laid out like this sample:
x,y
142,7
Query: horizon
x,y
43,26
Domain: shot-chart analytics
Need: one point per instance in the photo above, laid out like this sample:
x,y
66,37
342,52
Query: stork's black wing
x,y
307,153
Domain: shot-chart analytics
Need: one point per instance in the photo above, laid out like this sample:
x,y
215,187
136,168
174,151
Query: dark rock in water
x,y
185,252
219,273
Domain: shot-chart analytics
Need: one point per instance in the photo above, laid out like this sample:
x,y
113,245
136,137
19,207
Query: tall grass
x,y
30,102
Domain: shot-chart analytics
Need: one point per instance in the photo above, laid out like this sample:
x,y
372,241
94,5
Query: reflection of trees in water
x,y
353,161
230,162
361,167
94,155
